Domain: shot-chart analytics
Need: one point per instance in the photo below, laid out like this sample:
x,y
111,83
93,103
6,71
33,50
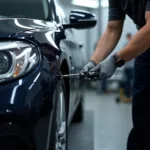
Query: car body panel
x,y
26,103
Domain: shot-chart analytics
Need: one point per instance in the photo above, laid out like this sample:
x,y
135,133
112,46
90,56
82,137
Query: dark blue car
x,y
36,103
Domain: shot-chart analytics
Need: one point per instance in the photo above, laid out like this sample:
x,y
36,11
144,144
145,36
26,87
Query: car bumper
x,y
25,106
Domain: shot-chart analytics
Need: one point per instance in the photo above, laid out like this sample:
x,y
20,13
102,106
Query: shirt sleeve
x,y
115,10
148,5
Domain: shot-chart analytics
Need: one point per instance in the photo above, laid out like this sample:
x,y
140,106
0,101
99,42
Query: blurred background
x,y
107,121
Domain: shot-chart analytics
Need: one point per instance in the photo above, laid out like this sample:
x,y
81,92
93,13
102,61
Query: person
x,y
128,70
139,48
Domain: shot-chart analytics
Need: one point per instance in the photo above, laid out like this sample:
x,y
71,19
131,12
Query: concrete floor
x,y
106,125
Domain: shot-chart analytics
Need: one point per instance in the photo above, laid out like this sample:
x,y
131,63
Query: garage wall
x,y
95,32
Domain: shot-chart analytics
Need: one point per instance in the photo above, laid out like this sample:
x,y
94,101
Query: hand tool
x,y
70,75
95,75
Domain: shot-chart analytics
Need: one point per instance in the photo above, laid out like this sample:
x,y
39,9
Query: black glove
x,y
85,71
106,69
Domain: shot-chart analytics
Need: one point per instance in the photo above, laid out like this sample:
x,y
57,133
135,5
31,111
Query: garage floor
x,y
106,125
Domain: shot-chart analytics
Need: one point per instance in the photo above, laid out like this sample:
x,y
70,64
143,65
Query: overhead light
x,y
104,3
86,3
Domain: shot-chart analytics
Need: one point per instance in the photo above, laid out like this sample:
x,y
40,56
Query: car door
x,y
70,45
77,61
65,46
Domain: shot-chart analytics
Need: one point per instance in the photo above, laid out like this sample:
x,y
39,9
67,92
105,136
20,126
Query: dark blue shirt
x,y
135,9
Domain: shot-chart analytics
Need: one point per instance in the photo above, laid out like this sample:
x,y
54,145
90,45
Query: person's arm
x,y
111,36
108,41
139,43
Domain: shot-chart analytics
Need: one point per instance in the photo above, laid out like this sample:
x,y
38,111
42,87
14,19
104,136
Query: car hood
x,y
10,27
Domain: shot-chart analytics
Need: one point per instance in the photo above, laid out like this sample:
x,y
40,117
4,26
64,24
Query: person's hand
x,y
105,69
85,71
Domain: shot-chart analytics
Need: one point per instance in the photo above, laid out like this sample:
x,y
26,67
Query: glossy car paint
x,y
26,103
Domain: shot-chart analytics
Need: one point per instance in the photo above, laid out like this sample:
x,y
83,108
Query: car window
x,y
35,9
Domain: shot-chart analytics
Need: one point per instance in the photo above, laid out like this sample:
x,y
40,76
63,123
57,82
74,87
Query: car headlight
x,y
16,59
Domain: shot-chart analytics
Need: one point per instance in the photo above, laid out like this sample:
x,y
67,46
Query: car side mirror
x,y
81,20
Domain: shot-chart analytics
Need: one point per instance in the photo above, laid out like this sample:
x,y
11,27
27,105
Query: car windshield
x,y
34,9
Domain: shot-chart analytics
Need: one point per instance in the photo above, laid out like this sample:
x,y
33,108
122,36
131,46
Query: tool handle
x,y
95,75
